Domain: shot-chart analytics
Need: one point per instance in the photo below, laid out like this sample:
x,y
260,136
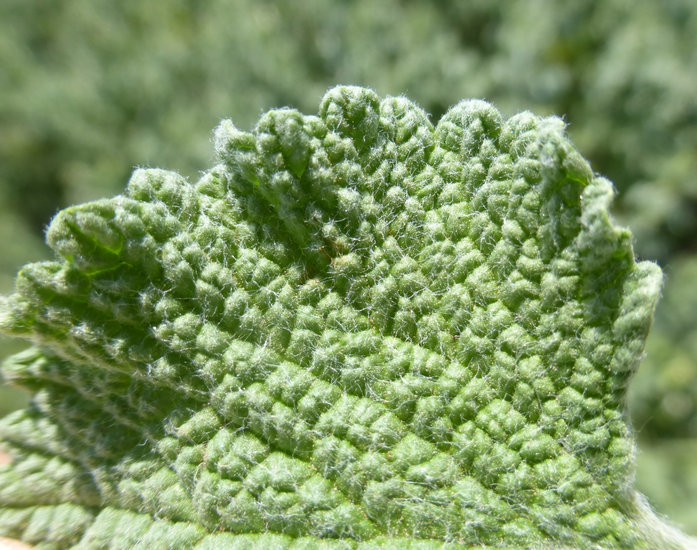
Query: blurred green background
x,y
90,89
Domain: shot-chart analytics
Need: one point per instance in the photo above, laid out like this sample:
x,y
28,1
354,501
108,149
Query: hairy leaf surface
x,y
357,331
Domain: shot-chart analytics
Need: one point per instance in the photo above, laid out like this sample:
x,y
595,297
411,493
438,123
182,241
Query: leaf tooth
x,y
37,479
16,315
467,126
352,112
152,186
407,126
237,150
641,291
84,236
29,429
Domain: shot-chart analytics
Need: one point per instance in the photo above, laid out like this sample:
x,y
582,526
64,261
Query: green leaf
x,y
357,331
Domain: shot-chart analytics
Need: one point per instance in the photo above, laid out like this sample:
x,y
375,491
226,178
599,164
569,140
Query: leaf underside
x,y
357,331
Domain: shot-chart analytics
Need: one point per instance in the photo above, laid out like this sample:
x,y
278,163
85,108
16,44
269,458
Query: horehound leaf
x,y
357,331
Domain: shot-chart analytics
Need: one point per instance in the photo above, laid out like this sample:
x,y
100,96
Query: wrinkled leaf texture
x,y
357,331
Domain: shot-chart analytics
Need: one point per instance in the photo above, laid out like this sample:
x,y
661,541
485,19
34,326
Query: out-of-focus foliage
x,y
91,88
667,475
